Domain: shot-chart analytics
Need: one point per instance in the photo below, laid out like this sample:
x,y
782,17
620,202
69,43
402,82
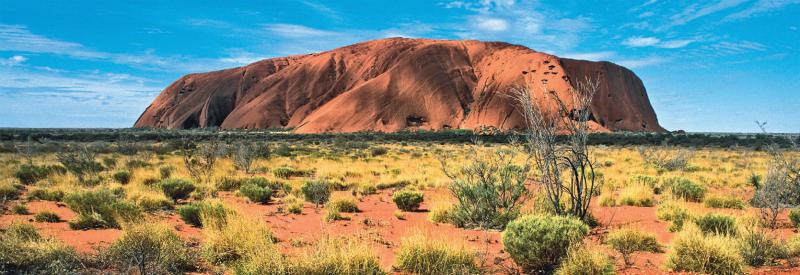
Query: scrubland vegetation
x,y
376,207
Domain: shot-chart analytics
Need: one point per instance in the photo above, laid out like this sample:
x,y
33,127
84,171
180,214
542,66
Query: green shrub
x,y
366,189
192,213
794,216
692,251
46,216
407,200
490,192
671,211
628,241
20,209
343,204
100,209
419,254
538,242
122,176
583,261
151,250
293,204
45,194
110,162
334,215
255,193
758,247
9,191
286,172
165,171
724,202
685,189
716,224
24,251
152,203
378,151
177,189
316,191
228,184
30,174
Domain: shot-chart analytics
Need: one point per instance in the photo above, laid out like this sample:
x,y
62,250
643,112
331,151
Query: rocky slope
x,y
395,84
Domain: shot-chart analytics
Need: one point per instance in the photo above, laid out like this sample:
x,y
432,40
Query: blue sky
x,y
708,65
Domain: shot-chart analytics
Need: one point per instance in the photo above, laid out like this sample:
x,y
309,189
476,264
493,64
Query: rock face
x,y
396,84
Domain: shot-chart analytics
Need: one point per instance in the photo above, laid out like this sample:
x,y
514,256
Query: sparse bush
x,y
407,200
716,224
440,214
490,190
192,213
199,159
293,204
152,203
80,162
45,194
99,209
628,241
378,151
420,254
228,184
333,215
244,154
9,191
671,211
538,242
637,195
758,247
692,251
20,209
150,249
316,191
24,251
165,171
666,158
685,189
584,261
343,204
256,193
122,176
46,216
724,202
177,189
366,189
794,216
286,172
30,174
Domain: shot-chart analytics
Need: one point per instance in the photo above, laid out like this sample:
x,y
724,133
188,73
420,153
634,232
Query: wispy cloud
x,y
323,9
761,6
695,11
641,62
19,38
298,31
593,56
639,41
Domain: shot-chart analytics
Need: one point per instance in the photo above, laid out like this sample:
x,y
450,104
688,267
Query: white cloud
x,y
639,41
593,56
12,61
674,44
323,9
646,14
297,31
641,62
491,24
18,38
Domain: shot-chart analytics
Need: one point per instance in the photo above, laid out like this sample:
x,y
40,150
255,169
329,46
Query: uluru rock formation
x,y
395,84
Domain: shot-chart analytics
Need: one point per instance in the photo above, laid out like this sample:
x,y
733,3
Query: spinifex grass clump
x,y
693,251
150,249
627,241
100,209
422,254
177,189
24,251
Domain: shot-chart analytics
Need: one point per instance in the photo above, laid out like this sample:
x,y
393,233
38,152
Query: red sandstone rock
x,y
395,84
